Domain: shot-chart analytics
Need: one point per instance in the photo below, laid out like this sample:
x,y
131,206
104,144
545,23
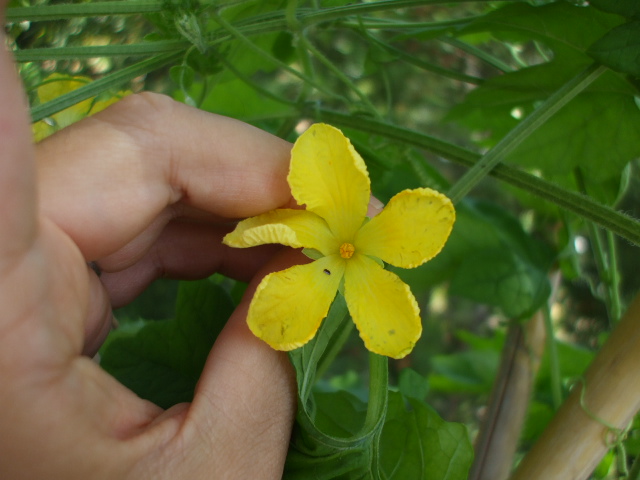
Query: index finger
x,y
17,189
107,178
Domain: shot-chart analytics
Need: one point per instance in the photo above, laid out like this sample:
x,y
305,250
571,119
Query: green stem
x,y
71,53
554,360
378,393
428,66
338,13
614,277
88,9
582,205
524,129
377,406
289,124
492,60
605,259
236,33
419,27
277,21
334,348
303,54
95,88
338,74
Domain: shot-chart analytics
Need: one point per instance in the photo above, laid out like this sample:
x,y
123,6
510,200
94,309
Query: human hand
x,y
144,189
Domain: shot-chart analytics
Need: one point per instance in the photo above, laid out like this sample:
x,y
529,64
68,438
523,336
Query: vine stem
x,y
377,405
524,129
425,65
606,259
58,12
581,205
338,74
131,50
554,360
235,33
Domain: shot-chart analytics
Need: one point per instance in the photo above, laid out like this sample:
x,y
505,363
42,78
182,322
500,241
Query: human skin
x,y
146,189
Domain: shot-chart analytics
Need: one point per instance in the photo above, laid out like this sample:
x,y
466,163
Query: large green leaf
x,y
566,29
471,371
619,49
598,131
417,444
161,361
501,278
626,8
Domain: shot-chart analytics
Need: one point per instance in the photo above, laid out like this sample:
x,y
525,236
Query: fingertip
x,y
375,207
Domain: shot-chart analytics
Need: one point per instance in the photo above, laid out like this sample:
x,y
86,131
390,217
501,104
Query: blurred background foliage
x,y
460,73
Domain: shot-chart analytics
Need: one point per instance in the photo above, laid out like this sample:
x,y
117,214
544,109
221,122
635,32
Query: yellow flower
x,y
56,85
329,177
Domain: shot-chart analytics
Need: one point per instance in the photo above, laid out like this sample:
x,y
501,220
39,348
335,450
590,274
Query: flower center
x,y
346,250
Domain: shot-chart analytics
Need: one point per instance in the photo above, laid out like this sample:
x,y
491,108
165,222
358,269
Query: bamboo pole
x,y
498,438
578,437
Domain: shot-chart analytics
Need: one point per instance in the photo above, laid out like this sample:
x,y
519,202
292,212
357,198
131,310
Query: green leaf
x,y
539,415
203,63
182,75
626,8
307,358
244,59
502,279
602,122
339,429
514,278
162,360
573,360
417,444
619,49
238,100
412,384
283,48
470,371
568,30
591,128
339,414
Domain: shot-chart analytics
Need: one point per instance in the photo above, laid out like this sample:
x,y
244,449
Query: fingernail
x,y
375,206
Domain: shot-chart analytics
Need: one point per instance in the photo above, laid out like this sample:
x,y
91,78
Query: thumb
x,y
246,398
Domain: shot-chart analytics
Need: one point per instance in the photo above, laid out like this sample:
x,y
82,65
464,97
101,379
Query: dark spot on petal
x,y
327,271
392,332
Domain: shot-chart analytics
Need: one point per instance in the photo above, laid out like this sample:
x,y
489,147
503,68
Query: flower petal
x,y
289,306
382,307
330,178
411,229
294,228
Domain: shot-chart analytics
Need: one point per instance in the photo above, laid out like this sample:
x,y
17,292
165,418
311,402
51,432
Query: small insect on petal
x,y
327,271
